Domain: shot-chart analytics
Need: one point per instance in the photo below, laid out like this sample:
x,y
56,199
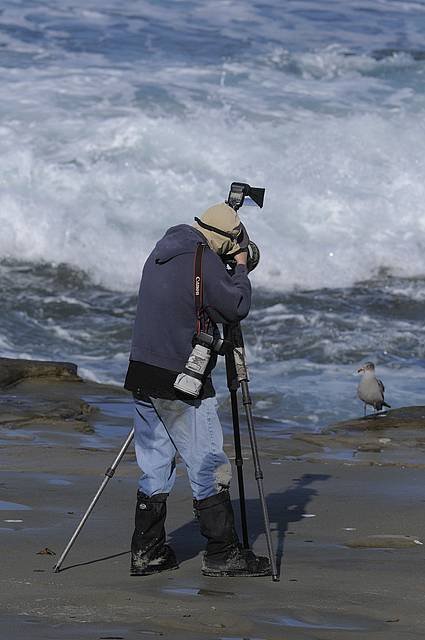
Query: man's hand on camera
x,y
241,257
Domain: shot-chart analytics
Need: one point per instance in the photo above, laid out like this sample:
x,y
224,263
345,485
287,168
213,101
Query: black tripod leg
x,y
246,399
237,374
233,385
239,467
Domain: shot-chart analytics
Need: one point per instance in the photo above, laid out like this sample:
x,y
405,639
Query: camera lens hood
x,y
253,256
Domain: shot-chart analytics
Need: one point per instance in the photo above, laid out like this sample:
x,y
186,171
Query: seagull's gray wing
x,y
380,385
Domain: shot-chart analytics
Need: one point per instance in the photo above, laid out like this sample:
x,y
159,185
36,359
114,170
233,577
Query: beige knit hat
x,y
222,229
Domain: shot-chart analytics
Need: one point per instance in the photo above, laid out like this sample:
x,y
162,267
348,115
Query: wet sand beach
x,y
346,507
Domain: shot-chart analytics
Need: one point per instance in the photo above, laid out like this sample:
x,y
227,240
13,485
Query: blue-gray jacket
x,y
166,315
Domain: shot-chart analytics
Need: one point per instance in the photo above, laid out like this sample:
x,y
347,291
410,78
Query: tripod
x,y
237,374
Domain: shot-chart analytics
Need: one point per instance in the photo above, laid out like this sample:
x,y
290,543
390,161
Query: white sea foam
x,y
73,336
414,291
5,345
88,374
68,300
101,155
344,196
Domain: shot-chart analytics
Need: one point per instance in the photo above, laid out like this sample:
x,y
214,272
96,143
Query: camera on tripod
x,y
237,194
191,379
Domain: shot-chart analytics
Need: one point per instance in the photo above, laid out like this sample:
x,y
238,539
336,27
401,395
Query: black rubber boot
x,y
149,553
225,556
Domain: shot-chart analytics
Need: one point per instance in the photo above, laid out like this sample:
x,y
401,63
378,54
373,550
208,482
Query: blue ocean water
x,y
119,119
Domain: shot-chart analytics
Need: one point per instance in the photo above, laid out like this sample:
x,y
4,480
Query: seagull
x,y
371,390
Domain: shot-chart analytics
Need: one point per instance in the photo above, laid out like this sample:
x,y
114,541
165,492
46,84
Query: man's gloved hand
x,y
241,258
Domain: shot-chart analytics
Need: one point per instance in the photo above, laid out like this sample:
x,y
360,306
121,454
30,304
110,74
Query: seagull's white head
x,y
368,366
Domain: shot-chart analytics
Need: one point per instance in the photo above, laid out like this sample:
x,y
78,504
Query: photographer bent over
x,y
168,420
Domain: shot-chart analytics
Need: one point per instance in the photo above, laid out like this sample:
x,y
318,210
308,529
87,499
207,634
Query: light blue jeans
x,y
165,427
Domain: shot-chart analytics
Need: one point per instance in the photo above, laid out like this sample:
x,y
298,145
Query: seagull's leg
x,y
365,409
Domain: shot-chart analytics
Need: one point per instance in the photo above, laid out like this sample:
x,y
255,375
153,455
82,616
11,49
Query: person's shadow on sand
x,y
284,508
